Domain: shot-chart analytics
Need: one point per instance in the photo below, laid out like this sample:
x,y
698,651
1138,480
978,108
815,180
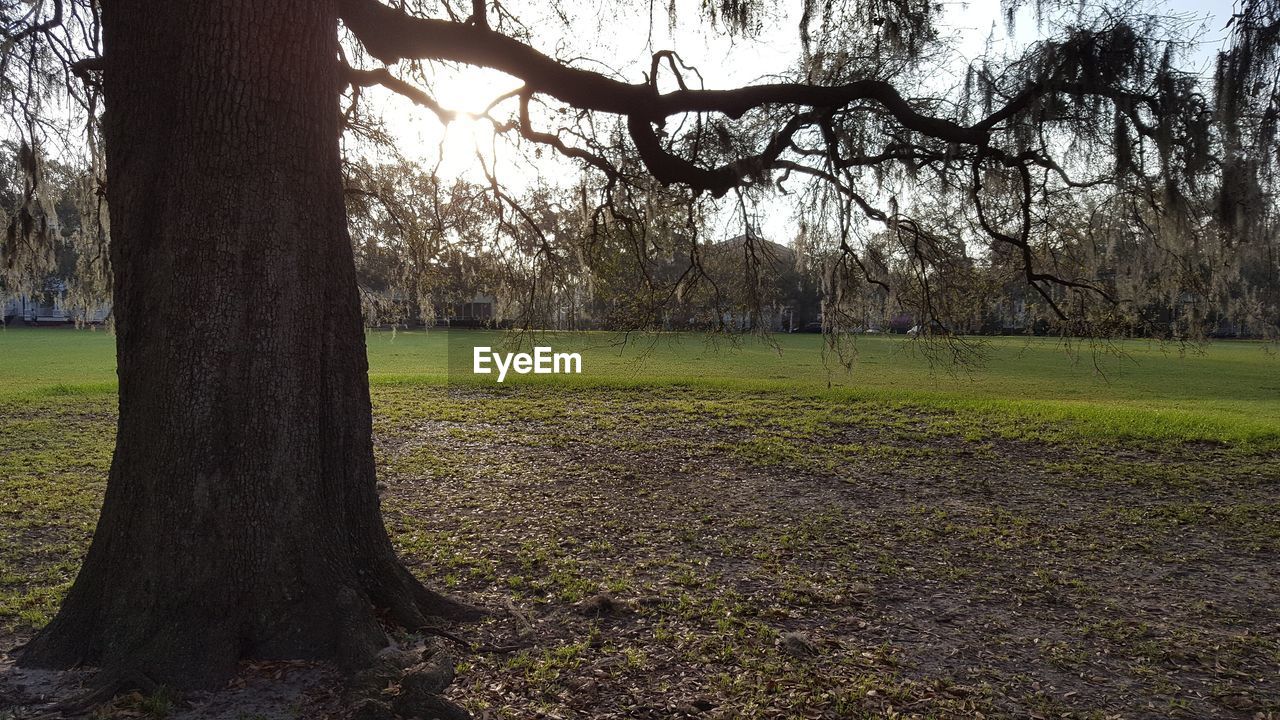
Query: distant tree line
x,y
430,252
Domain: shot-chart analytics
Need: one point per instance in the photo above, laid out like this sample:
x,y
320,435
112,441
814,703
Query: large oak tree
x,y
241,518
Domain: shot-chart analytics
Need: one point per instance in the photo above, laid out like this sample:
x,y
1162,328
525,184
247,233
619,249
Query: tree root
x,y
419,680
438,632
503,649
105,687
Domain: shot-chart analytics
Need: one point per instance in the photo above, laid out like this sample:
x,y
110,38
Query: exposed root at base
x,y
419,677
107,685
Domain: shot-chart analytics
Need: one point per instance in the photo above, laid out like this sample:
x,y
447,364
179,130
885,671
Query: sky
x,y
722,62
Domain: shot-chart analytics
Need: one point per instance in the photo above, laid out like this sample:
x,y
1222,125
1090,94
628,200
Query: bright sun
x,y
467,91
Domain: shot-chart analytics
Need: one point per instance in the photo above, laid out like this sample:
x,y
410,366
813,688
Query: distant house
x,y
32,311
476,311
787,299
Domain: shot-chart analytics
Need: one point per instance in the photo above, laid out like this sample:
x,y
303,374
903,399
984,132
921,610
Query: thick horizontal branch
x,y
391,35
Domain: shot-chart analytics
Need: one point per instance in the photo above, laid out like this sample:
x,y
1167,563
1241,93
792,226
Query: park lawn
x,y
723,553
1226,391
717,533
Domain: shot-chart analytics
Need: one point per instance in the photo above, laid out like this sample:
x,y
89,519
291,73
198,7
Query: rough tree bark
x,y
241,518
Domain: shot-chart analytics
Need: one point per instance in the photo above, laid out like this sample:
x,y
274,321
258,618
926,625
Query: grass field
x,y
718,532
1222,391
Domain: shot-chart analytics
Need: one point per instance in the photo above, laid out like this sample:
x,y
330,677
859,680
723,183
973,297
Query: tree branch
x,y
390,35
383,77
51,23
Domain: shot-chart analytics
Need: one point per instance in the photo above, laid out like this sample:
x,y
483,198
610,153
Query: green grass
x,y
727,495
1221,391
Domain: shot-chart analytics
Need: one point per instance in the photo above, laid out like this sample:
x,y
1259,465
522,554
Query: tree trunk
x,y
241,518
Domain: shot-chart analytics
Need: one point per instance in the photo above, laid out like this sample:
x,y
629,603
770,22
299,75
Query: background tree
x,y
240,518
50,253
420,246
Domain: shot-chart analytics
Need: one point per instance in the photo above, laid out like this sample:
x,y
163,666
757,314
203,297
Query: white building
x,y
34,312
